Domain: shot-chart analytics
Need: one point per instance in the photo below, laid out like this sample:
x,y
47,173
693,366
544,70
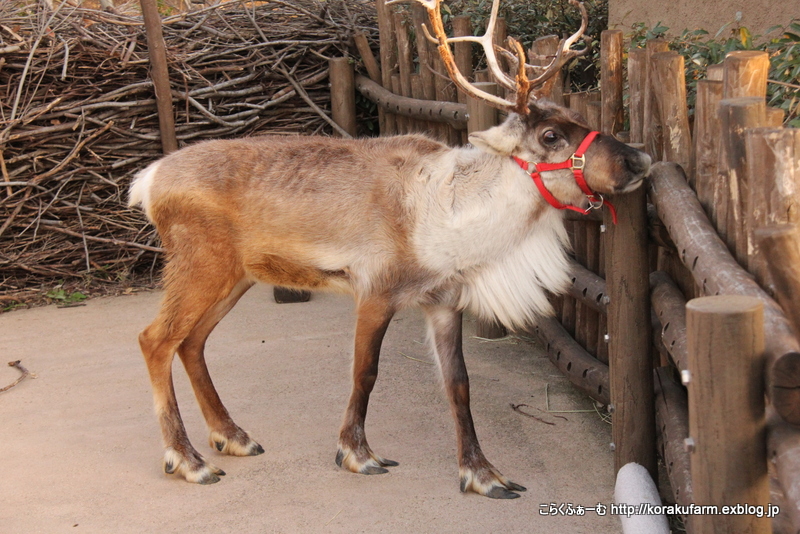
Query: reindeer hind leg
x,y
194,284
225,435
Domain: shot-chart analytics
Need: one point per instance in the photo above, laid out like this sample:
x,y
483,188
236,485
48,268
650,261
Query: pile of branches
x,y
78,116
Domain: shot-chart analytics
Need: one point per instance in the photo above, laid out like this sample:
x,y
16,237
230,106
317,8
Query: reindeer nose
x,y
638,163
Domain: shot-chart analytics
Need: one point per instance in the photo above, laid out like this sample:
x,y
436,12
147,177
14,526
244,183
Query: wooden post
x,y
343,94
373,70
670,80
446,92
405,63
630,333
388,59
726,411
637,80
160,74
783,445
707,132
772,157
483,117
611,80
651,128
780,246
462,52
548,46
745,74
735,115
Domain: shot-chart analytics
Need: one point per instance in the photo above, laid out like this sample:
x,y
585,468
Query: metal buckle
x,y
595,202
578,159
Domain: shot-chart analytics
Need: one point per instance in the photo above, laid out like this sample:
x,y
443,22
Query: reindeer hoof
x,y
240,444
192,466
489,482
365,463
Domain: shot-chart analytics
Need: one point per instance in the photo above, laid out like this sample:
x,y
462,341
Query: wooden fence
x,y
624,334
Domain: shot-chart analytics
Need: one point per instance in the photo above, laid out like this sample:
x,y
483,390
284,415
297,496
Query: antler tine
x,y
440,37
564,53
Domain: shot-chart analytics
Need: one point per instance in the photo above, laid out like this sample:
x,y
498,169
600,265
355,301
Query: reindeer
x,y
396,222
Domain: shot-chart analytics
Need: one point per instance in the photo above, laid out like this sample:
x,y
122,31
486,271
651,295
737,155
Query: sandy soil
x,y
81,450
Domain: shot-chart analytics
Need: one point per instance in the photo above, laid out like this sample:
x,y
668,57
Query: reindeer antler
x,y
520,83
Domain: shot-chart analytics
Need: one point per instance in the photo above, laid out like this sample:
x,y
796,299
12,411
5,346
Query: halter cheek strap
x,y
575,163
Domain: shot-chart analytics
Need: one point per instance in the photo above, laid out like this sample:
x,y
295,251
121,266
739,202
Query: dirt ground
x,y
81,450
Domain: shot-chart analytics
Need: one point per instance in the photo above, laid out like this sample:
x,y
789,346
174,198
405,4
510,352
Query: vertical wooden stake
x,y
388,59
651,128
707,132
670,79
745,74
726,411
548,46
462,52
780,246
633,428
158,70
343,94
611,80
637,80
737,114
771,156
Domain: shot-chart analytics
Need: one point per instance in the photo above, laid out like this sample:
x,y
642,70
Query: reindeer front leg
x,y
374,314
477,474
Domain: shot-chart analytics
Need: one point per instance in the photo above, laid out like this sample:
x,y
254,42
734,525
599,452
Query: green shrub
x,y
700,50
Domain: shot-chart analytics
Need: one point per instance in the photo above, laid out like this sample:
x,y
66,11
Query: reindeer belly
x,y
277,270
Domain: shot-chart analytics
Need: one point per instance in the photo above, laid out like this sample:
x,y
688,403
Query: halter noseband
x,y
575,163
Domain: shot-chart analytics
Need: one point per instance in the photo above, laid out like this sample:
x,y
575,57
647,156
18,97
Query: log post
x,y
670,79
445,92
737,114
405,63
373,70
611,81
783,446
157,51
745,74
707,132
483,117
462,52
630,333
388,56
726,411
343,94
548,46
637,80
772,157
781,251
651,128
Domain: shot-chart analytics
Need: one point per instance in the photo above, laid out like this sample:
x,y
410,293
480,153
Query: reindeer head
x,y
539,133
551,134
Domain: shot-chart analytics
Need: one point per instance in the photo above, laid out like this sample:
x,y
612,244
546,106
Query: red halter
x,y
575,163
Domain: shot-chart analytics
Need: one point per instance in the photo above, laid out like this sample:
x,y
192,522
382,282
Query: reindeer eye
x,y
549,137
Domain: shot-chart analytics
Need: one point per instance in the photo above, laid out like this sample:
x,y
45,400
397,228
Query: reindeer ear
x,y
500,140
